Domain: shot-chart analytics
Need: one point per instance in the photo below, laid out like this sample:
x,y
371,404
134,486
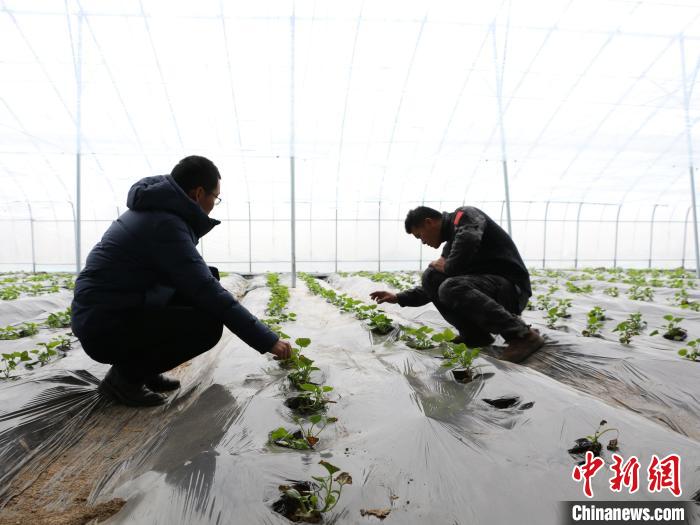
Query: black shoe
x,y
115,386
474,341
162,383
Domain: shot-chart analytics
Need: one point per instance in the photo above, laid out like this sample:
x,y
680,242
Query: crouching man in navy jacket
x,y
146,301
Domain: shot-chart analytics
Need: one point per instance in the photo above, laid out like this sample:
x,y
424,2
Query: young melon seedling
x,y
672,330
693,352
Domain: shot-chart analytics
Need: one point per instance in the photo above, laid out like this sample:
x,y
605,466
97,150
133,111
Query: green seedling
x,y
595,320
637,293
380,323
10,293
460,356
572,288
325,493
672,330
544,302
693,352
59,319
365,311
349,304
680,298
9,362
560,311
444,337
613,291
311,400
418,338
306,437
593,444
19,331
630,327
302,366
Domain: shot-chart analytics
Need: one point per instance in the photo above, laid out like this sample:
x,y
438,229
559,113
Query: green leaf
x,y
332,469
655,332
327,388
280,433
293,493
682,352
303,342
315,419
308,387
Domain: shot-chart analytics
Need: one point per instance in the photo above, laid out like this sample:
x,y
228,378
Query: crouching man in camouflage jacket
x,y
480,284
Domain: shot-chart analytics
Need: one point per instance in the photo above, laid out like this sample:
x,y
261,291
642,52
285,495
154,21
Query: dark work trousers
x,y
155,340
477,305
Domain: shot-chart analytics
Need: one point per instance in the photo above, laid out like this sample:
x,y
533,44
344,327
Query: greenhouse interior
x,y
305,261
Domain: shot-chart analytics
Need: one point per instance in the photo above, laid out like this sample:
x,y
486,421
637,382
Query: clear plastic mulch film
x,y
417,443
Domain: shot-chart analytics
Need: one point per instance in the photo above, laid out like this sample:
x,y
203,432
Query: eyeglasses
x,y
218,199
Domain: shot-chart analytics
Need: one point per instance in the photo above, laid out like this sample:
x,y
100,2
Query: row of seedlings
x,y
59,344
596,317
401,280
458,357
14,285
306,501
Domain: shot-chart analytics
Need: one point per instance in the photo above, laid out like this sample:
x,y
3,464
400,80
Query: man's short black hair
x,y
194,171
416,216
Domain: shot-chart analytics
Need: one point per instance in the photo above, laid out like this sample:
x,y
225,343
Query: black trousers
x,y
155,340
477,305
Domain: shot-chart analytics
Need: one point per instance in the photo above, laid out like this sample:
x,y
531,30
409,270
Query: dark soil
x,y
677,334
584,445
463,375
502,402
303,405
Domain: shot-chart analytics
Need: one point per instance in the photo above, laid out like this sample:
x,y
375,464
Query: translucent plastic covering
x,y
373,106
418,444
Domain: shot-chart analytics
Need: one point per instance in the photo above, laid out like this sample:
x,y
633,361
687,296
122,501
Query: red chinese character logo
x,y
626,474
586,471
665,474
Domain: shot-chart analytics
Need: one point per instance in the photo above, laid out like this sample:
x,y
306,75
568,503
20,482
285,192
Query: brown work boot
x,y
523,347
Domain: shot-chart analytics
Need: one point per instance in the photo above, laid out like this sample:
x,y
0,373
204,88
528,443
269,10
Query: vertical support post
x,y
685,236
291,147
336,237
500,220
651,234
379,236
691,169
31,238
499,97
78,141
578,220
544,240
617,232
250,242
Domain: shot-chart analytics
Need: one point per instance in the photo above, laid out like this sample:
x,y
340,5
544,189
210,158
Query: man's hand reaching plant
x,y
384,297
281,349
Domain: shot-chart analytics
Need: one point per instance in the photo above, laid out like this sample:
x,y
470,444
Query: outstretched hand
x,y
384,297
281,349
